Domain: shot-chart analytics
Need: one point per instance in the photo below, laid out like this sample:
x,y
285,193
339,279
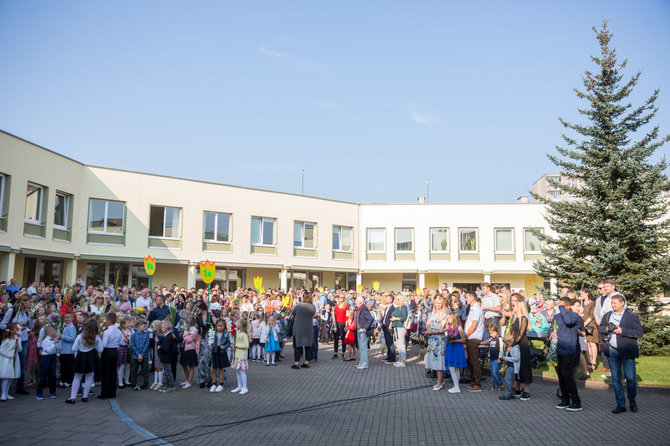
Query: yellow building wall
x,y
18,271
387,282
270,277
432,281
459,278
166,274
328,279
81,269
532,280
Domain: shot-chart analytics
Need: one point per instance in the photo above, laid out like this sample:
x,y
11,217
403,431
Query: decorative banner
x,y
320,289
375,285
207,270
258,283
261,290
418,291
359,288
149,265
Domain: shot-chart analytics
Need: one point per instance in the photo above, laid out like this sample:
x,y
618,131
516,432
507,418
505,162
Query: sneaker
x,y
243,391
438,388
563,405
475,389
136,388
361,367
39,396
525,396
400,364
618,410
235,390
168,390
213,388
186,386
454,390
219,388
517,393
607,375
506,397
52,396
574,407
183,383
493,388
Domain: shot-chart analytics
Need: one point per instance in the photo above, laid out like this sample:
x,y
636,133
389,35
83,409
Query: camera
x,y
611,326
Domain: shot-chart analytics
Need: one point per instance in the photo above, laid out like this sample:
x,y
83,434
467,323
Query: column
x,y
487,277
422,280
190,277
7,266
553,287
70,274
359,280
283,279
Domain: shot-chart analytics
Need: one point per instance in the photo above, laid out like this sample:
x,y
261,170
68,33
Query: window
x,y
217,227
164,222
34,197
376,240
342,238
439,239
404,239
531,242
262,231
303,234
62,210
554,194
468,239
504,239
106,216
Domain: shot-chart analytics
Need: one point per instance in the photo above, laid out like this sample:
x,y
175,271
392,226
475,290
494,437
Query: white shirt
x,y
112,337
247,307
475,315
615,318
490,300
79,346
50,346
142,302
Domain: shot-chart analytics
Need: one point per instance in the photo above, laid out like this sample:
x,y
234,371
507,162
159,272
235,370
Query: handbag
x,y
289,326
589,331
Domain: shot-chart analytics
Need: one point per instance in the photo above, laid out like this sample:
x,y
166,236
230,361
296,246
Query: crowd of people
x,y
79,337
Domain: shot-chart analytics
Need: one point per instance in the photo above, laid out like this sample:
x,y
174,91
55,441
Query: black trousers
x,y
565,379
135,367
388,337
108,372
339,336
67,368
297,352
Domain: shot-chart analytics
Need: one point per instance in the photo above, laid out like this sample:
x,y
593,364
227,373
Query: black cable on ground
x,y
327,404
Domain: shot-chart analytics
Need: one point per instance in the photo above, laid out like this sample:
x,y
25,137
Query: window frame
x,y
40,204
367,240
340,228
260,233
460,247
165,208
525,230
105,232
2,194
216,226
66,213
395,241
430,239
495,240
302,234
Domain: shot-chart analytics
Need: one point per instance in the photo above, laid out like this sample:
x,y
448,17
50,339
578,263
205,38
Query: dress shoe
x,y
633,406
22,392
618,409
100,397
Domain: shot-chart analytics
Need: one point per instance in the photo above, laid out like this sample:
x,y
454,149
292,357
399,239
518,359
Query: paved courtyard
x,y
332,403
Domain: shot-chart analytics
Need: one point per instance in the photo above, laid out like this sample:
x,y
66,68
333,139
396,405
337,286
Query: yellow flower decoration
x,y
207,271
359,288
150,265
258,282
375,285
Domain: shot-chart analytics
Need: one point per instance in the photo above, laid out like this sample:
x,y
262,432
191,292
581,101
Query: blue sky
x,y
370,98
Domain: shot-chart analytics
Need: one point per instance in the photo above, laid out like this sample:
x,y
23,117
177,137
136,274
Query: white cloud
x,y
297,61
424,119
276,54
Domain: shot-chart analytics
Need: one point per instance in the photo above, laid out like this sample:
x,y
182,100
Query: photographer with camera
x,y
621,328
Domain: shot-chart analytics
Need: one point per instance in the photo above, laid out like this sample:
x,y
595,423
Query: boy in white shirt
x,y
49,347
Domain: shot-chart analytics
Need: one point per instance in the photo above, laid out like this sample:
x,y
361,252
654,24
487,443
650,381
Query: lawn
x,y
651,371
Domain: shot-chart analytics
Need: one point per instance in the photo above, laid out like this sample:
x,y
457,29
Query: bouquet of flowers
x,y
452,333
552,356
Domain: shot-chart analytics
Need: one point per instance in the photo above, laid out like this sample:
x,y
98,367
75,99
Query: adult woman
x,y
518,326
123,305
398,317
303,313
435,340
589,305
340,313
97,305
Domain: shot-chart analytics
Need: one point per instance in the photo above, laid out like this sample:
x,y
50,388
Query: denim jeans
x,y
22,359
509,379
400,341
315,342
495,373
363,347
616,364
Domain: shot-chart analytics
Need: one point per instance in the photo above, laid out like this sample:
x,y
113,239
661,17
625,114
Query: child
x,y
66,354
350,335
87,347
326,323
513,358
189,357
220,360
454,353
122,356
139,345
241,364
10,364
164,351
50,345
111,339
495,356
255,338
271,333
32,359
262,326
158,370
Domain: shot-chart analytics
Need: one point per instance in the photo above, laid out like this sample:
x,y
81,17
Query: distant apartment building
x,y
544,187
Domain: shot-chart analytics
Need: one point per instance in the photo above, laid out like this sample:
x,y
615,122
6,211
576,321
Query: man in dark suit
x,y
364,322
621,328
386,328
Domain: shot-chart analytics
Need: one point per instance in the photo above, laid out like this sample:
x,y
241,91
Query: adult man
x,y
143,301
161,312
23,318
386,328
425,305
606,289
12,287
621,328
474,329
491,307
363,331
564,328
32,289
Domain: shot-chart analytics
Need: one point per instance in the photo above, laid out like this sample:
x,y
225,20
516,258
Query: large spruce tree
x,y
616,225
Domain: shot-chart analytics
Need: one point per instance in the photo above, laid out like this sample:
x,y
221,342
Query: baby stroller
x,y
538,355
